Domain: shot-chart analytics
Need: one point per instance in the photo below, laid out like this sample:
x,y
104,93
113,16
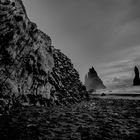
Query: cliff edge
x,y
31,69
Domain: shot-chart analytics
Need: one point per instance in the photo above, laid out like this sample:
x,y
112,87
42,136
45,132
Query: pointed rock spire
x,y
136,80
92,80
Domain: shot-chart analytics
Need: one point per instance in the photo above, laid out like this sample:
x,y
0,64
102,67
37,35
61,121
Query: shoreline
x,y
116,96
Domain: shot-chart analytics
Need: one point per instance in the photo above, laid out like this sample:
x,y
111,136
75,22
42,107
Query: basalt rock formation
x,y
31,69
92,80
136,81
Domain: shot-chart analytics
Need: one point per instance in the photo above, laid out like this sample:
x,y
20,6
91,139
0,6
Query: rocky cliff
x,y
92,80
31,69
136,81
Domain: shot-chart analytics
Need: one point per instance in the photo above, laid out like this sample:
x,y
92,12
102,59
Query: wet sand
x,y
121,96
115,95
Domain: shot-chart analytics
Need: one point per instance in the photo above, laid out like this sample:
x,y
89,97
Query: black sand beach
x,y
104,119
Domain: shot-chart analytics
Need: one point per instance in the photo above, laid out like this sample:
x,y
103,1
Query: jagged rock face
x,y
136,81
66,79
29,64
92,80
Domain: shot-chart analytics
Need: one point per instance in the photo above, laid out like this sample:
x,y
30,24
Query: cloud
x,y
121,72
116,80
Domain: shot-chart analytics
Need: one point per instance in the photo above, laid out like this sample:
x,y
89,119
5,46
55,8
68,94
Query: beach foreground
x,y
96,119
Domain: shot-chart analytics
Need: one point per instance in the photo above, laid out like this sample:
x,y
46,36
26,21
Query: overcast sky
x,y
100,33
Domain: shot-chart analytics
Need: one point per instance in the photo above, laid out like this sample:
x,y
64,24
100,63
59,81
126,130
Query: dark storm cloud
x,y
90,32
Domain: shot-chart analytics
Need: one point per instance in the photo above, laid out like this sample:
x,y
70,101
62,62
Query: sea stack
x,y
136,81
92,80
31,69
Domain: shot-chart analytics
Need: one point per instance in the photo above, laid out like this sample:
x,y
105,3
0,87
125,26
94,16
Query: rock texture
x,y
92,80
136,81
31,69
98,119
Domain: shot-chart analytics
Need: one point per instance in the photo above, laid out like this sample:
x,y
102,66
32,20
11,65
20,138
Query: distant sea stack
x,y
136,81
92,80
31,69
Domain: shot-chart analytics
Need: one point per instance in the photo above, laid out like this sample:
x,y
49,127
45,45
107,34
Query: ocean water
x,y
130,92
